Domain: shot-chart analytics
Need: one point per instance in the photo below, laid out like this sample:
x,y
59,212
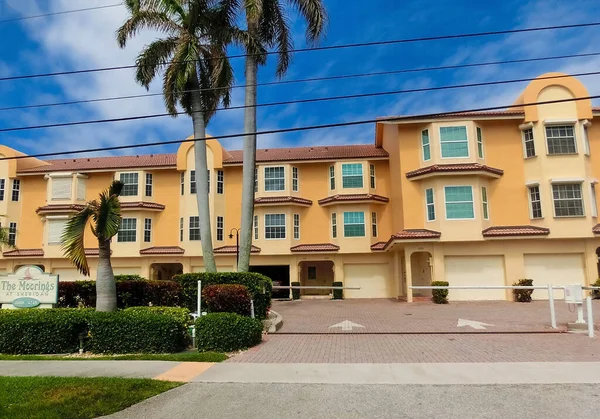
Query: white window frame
x,y
296,226
530,200
278,178
135,175
255,179
58,219
374,227
190,228
423,145
561,124
182,183
593,199
148,230
331,178
276,226
552,185
524,130
12,233
362,175
134,229
256,227
440,141
149,187
181,235
2,189
430,204
334,232
585,135
479,142
57,181
295,182
16,189
193,183
220,228
485,203
372,176
472,203
364,224
220,182
81,187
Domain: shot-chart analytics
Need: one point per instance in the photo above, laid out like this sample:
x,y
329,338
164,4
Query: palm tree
x,y
105,213
5,238
267,23
197,73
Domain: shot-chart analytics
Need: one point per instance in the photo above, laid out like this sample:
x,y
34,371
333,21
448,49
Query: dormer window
x,y
61,188
130,182
454,142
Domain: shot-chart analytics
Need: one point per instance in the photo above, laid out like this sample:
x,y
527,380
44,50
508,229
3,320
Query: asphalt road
x,y
248,401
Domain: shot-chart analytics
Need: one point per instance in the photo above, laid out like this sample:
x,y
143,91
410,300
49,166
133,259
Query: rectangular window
x,y
274,226
593,199
193,181
529,143
586,140
182,182
220,183
61,187
297,226
194,234
332,177
16,189
181,229
127,230
274,179
147,230
255,179
354,224
479,143
561,139
130,182
352,175
568,201
430,204
12,234
535,201
295,179
484,203
220,228
256,227
311,273
454,142
374,224
459,202
2,183
55,230
334,225
148,184
426,145
372,175
81,188
208,177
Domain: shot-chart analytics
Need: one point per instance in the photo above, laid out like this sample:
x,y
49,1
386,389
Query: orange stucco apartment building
x,y
474,198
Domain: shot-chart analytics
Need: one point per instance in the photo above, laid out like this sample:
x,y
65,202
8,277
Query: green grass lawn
x,y
180,357
73,398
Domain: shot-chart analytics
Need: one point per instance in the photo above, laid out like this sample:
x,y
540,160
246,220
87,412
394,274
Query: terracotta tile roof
x,y
416,233
93,252
59,208
282,199
142,205
353,198
338,152
378,246
162,250
232,249
458,168
105,163
319,247
24,253
490,114
525,230
596,228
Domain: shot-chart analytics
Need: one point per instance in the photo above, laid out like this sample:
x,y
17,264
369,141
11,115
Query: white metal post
x,y
590,316
252,308
199,298
552,310
580,319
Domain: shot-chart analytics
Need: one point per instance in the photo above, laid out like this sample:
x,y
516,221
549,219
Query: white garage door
x,y
69,274
554,269
475,270
374,280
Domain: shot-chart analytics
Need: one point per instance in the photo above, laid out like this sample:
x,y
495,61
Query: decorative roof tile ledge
x,y
334,199
162,250
233,249
18,253
507,231
454,168
274,200
318,247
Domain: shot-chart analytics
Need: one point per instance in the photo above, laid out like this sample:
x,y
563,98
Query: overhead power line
x,y
314,79
332,47
63,12
302,128
290,102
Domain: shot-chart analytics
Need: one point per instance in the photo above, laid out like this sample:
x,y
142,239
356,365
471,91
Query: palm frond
x,y
275,31
315,15
252,44
253,9
108,216
146,19
115,188
221,78
72,239
152,58
227,11
5,238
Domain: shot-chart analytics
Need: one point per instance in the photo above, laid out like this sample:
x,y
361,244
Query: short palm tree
x,y
268,26
197,74
5,238
105,214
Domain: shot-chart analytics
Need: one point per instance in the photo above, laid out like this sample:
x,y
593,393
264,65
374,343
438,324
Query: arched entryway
x,y
420,263
165,271
316,273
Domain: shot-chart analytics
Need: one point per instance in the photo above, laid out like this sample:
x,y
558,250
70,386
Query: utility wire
x,y
331,47
304,128
64,12
290,102
314,79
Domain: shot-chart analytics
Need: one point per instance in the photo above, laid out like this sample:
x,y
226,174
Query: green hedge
x,y
439,296
338,294
295,292
253,281
596,293
180,314
523,296
227,332
41,331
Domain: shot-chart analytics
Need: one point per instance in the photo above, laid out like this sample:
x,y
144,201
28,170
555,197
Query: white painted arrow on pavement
x,y
474,324
346,325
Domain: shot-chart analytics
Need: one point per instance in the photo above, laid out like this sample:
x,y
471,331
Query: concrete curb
x,y
274,322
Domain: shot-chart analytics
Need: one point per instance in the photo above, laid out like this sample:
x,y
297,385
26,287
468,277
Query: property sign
x,y
28,287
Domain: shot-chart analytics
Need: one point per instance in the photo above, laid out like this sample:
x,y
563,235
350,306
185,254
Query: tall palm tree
x,y
267,23
105,214
197,75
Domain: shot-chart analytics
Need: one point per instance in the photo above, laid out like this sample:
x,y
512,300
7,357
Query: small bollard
x,y
590,317
252,308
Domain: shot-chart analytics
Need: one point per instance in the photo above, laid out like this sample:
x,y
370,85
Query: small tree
x,y
105,213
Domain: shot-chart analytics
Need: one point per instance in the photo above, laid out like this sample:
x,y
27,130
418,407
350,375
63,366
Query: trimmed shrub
x,y
136,331
41,331
76,294
120,278
439,296
227,332
295,292
255,282
178,313
227,298
523,296
338,294
596,293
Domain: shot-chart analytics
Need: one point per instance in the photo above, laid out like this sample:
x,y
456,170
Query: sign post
x,y
28,287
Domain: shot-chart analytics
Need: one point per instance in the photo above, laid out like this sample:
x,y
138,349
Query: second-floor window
x,y
12,234
586,140
354,224
220,228
182,183
374,224
274,179
535,202
274,226
147,230
127,230
297,226
352,175
130,184
181,229
2,184
568,201
255,179
148,184
484,203
334,225
454,142
256,227
55,230
61,187
593,199
561,139
372,175
295,179
528,143
194,229
332,177
193,182
425,144
220,181
459,202
430,204
479,143
16,190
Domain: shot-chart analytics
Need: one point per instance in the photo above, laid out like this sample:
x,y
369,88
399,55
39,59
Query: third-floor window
x,y
454,142
425,144
130,184
16,190
352,175
535,202
561,139
2,183
61,187
528,143
295,179
274,179
148,184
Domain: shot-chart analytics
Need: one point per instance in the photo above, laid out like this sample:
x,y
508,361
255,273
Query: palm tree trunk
x,y
106,288
249,162
208,256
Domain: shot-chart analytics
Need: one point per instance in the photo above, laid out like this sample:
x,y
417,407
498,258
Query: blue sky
x,y
86,40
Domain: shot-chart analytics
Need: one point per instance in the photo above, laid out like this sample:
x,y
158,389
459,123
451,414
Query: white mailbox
x,y
573,294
